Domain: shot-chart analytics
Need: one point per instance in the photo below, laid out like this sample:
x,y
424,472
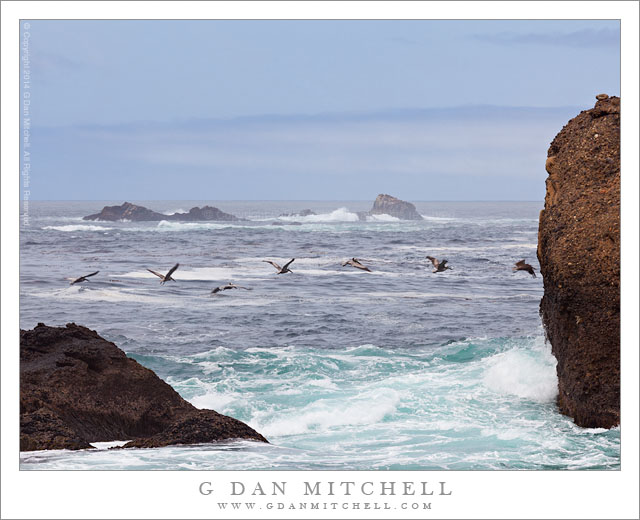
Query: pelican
x,y
521,266
230,285
439,266
82,278
356,263
281,270
165,277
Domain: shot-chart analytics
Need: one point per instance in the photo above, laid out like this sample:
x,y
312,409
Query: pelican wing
x,y
157,274
273,264
434,261
521,264
172,270
288,263
217,289
356,263
92,274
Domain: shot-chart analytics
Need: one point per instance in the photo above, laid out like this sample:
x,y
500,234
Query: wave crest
x,y
77,227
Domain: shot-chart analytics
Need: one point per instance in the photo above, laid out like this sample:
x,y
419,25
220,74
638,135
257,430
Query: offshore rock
x,y
579,254
386,204
135,213
77,388
303,213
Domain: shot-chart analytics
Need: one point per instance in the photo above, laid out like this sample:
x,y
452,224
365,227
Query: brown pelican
x,y
165,277
82,278
356,263
439,266
521,266
230,285
281,270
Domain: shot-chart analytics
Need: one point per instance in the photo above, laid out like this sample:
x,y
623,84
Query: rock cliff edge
x,y
77,388
579,254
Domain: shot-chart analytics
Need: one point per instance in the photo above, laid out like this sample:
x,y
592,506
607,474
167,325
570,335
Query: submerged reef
x,y
579,254
77,388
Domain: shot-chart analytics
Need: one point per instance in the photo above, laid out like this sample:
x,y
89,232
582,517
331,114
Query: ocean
x,y
341,369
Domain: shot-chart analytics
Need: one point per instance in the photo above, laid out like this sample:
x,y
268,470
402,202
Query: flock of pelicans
x,y
439,267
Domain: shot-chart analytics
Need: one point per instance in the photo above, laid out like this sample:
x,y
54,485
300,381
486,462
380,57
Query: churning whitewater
x,y
342,369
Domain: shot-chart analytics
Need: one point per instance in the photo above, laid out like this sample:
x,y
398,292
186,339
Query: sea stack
x,y
386,204
579,254
77,388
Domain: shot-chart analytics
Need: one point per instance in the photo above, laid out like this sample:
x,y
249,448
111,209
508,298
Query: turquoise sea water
x,y
340,369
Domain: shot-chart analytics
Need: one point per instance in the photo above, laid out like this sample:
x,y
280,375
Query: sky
x,y
307,110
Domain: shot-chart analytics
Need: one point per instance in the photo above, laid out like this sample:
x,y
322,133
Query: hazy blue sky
x,y
426,110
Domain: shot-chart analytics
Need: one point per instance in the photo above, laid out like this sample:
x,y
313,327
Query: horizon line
x,y
272,200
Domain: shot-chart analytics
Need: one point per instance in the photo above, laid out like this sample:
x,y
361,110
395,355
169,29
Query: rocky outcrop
x,y
203,213
128,211
303,213
386,204
579,254
77,388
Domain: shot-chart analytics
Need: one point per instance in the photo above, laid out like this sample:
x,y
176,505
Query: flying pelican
x,y
166,277
281,270
230,285
521,266
82,278
356,263
439,266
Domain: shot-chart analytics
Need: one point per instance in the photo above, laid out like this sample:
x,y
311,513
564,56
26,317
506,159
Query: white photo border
x,y
168,494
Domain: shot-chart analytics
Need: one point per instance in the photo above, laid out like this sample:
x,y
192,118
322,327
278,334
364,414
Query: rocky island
x,y
579,254
128,211
388,205
77,388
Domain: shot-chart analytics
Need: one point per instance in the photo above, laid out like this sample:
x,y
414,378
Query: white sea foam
x,y
78,292
77,227
439,219
382,218
530,374
214,401
326,414
107,445
337,215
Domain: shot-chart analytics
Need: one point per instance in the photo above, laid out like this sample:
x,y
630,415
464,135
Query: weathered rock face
x,y
579,254
386,204
77,388
128,211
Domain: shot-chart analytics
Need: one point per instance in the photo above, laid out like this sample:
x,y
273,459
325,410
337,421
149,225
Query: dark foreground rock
x,y
128,211
386,204
77,388
579,254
